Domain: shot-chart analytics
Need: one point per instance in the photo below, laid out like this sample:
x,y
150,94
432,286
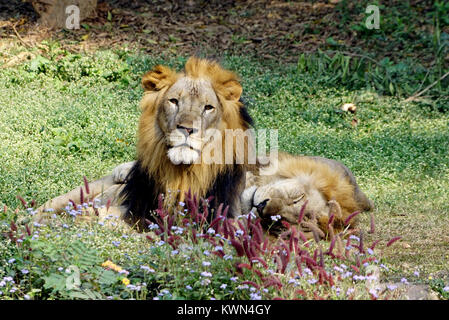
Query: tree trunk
x,y
59,14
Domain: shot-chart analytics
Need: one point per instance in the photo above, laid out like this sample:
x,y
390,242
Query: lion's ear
x,y
232,90
158,78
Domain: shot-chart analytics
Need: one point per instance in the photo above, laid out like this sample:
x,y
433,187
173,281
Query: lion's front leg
x,y
57,205
103,189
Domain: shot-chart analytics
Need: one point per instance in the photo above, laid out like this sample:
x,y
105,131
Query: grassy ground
x,y
67,114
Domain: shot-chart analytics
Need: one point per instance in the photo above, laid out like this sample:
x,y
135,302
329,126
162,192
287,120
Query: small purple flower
x,y
153,226
146,268
373,292
383,266
116,243
446,289
337,268
206,274
404,281
25,271
392,287
255,296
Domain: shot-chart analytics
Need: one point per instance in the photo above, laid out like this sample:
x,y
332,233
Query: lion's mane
x,y
154,174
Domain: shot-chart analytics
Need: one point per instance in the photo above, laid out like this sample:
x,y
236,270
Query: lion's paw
x,y
120,172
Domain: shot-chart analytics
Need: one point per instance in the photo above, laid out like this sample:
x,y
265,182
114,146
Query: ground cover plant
x,y
69,113
185,257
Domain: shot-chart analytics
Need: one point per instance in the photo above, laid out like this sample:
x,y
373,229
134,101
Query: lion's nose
x,y
188,130
261,206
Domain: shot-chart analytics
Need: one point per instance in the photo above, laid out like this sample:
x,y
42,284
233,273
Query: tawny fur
x,y
151,147
329,187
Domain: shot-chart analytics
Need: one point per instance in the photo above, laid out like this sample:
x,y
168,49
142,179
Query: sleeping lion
x,y
324,186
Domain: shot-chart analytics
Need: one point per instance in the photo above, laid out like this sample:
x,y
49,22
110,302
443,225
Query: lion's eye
x,y
208,107
174,101
298,199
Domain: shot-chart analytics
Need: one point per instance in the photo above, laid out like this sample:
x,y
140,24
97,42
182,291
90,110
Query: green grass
x,y
66,116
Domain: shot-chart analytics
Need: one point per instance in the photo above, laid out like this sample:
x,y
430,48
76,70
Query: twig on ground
x,y
416,95
19,37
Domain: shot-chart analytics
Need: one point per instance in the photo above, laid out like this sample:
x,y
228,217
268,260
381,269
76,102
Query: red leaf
x,y
86,185
81,196
238,247
349,218
355,268
302,211
331,219
244,265
24,203
285,224
374,244
393,240
372,225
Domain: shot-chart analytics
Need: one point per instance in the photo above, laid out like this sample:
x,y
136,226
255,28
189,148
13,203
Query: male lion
x,y
182,112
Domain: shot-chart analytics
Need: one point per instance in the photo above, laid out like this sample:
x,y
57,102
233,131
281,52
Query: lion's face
x,y
189,112
285,197
188,116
